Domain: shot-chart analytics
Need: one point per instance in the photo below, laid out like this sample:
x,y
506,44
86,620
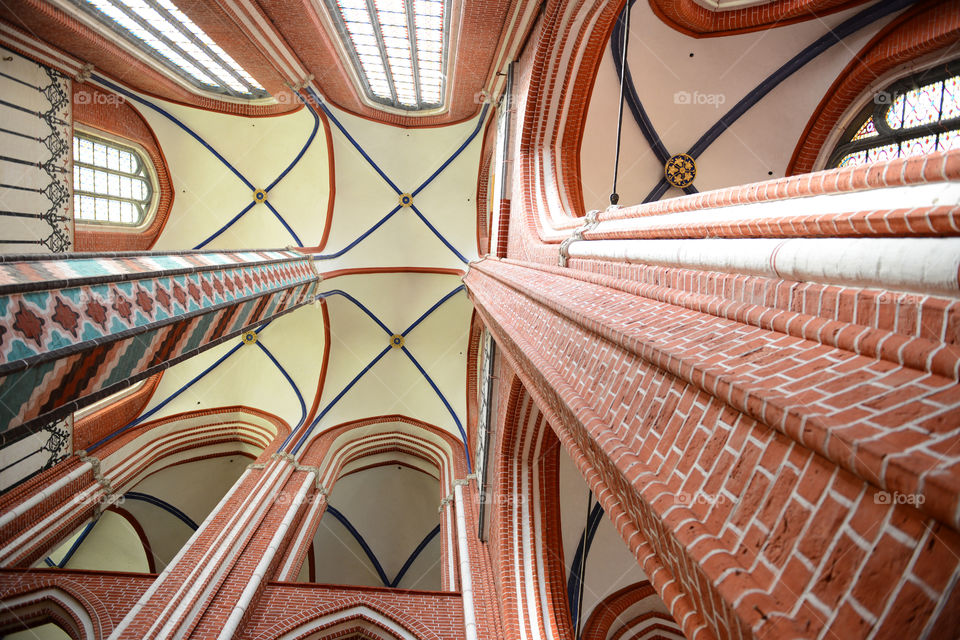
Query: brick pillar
x,y
212,586
78,327
747,464
40,513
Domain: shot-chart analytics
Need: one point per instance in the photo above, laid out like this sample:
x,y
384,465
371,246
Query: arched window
x,y
919,114
113,183
162,31
398,49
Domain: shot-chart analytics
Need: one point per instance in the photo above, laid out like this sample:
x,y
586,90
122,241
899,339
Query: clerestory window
x,y
398,48
917,115
162,31
113,184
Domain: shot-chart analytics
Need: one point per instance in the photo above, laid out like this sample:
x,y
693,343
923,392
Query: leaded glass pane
x,y
919,146
895,113
949,140
926,108
868,130
854,159
110,183
951,98
922,105
885,152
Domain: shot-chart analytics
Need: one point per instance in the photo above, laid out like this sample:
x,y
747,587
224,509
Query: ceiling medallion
x,y
259,196
680,170
250,337
396,341
406,200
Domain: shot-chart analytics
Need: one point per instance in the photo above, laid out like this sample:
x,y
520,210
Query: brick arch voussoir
x,y
407,622
96,610
318,447
690,18
605,614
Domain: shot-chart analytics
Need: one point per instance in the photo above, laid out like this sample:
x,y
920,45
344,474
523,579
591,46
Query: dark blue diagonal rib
x,y
176,393
426,313
363,543
866,17
296,390
340,292
303,150
226,226
438,234
286,226
466,143
326,409
416,553
453,414
355,144
177,122
162,504
583,551
330,256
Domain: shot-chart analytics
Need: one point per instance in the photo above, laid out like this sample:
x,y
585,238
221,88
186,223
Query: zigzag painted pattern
x,y
59,346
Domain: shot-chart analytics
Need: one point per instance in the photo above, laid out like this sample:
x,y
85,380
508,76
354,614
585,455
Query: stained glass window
x,y
165,33
398,47
917,115
111,182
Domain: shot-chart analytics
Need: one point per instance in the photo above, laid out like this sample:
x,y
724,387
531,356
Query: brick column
x,y
213,584
744,463
78,327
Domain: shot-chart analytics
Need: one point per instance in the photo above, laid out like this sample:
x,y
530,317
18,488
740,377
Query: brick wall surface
x,y
750,511
284,607
778,455
105,596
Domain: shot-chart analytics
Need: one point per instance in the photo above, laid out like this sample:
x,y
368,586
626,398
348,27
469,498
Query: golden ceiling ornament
x,y
680,170
250,337
406,200
396,341
259,196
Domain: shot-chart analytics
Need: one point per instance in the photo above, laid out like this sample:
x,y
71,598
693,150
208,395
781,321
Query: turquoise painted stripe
x,y
240,319
198,331
16,389
133,351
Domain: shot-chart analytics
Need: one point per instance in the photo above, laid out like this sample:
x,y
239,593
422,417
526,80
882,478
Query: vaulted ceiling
x,y
284,43
334,168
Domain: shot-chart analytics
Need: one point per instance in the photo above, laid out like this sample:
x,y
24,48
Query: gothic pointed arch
x,y
369,615
918,32
70,605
